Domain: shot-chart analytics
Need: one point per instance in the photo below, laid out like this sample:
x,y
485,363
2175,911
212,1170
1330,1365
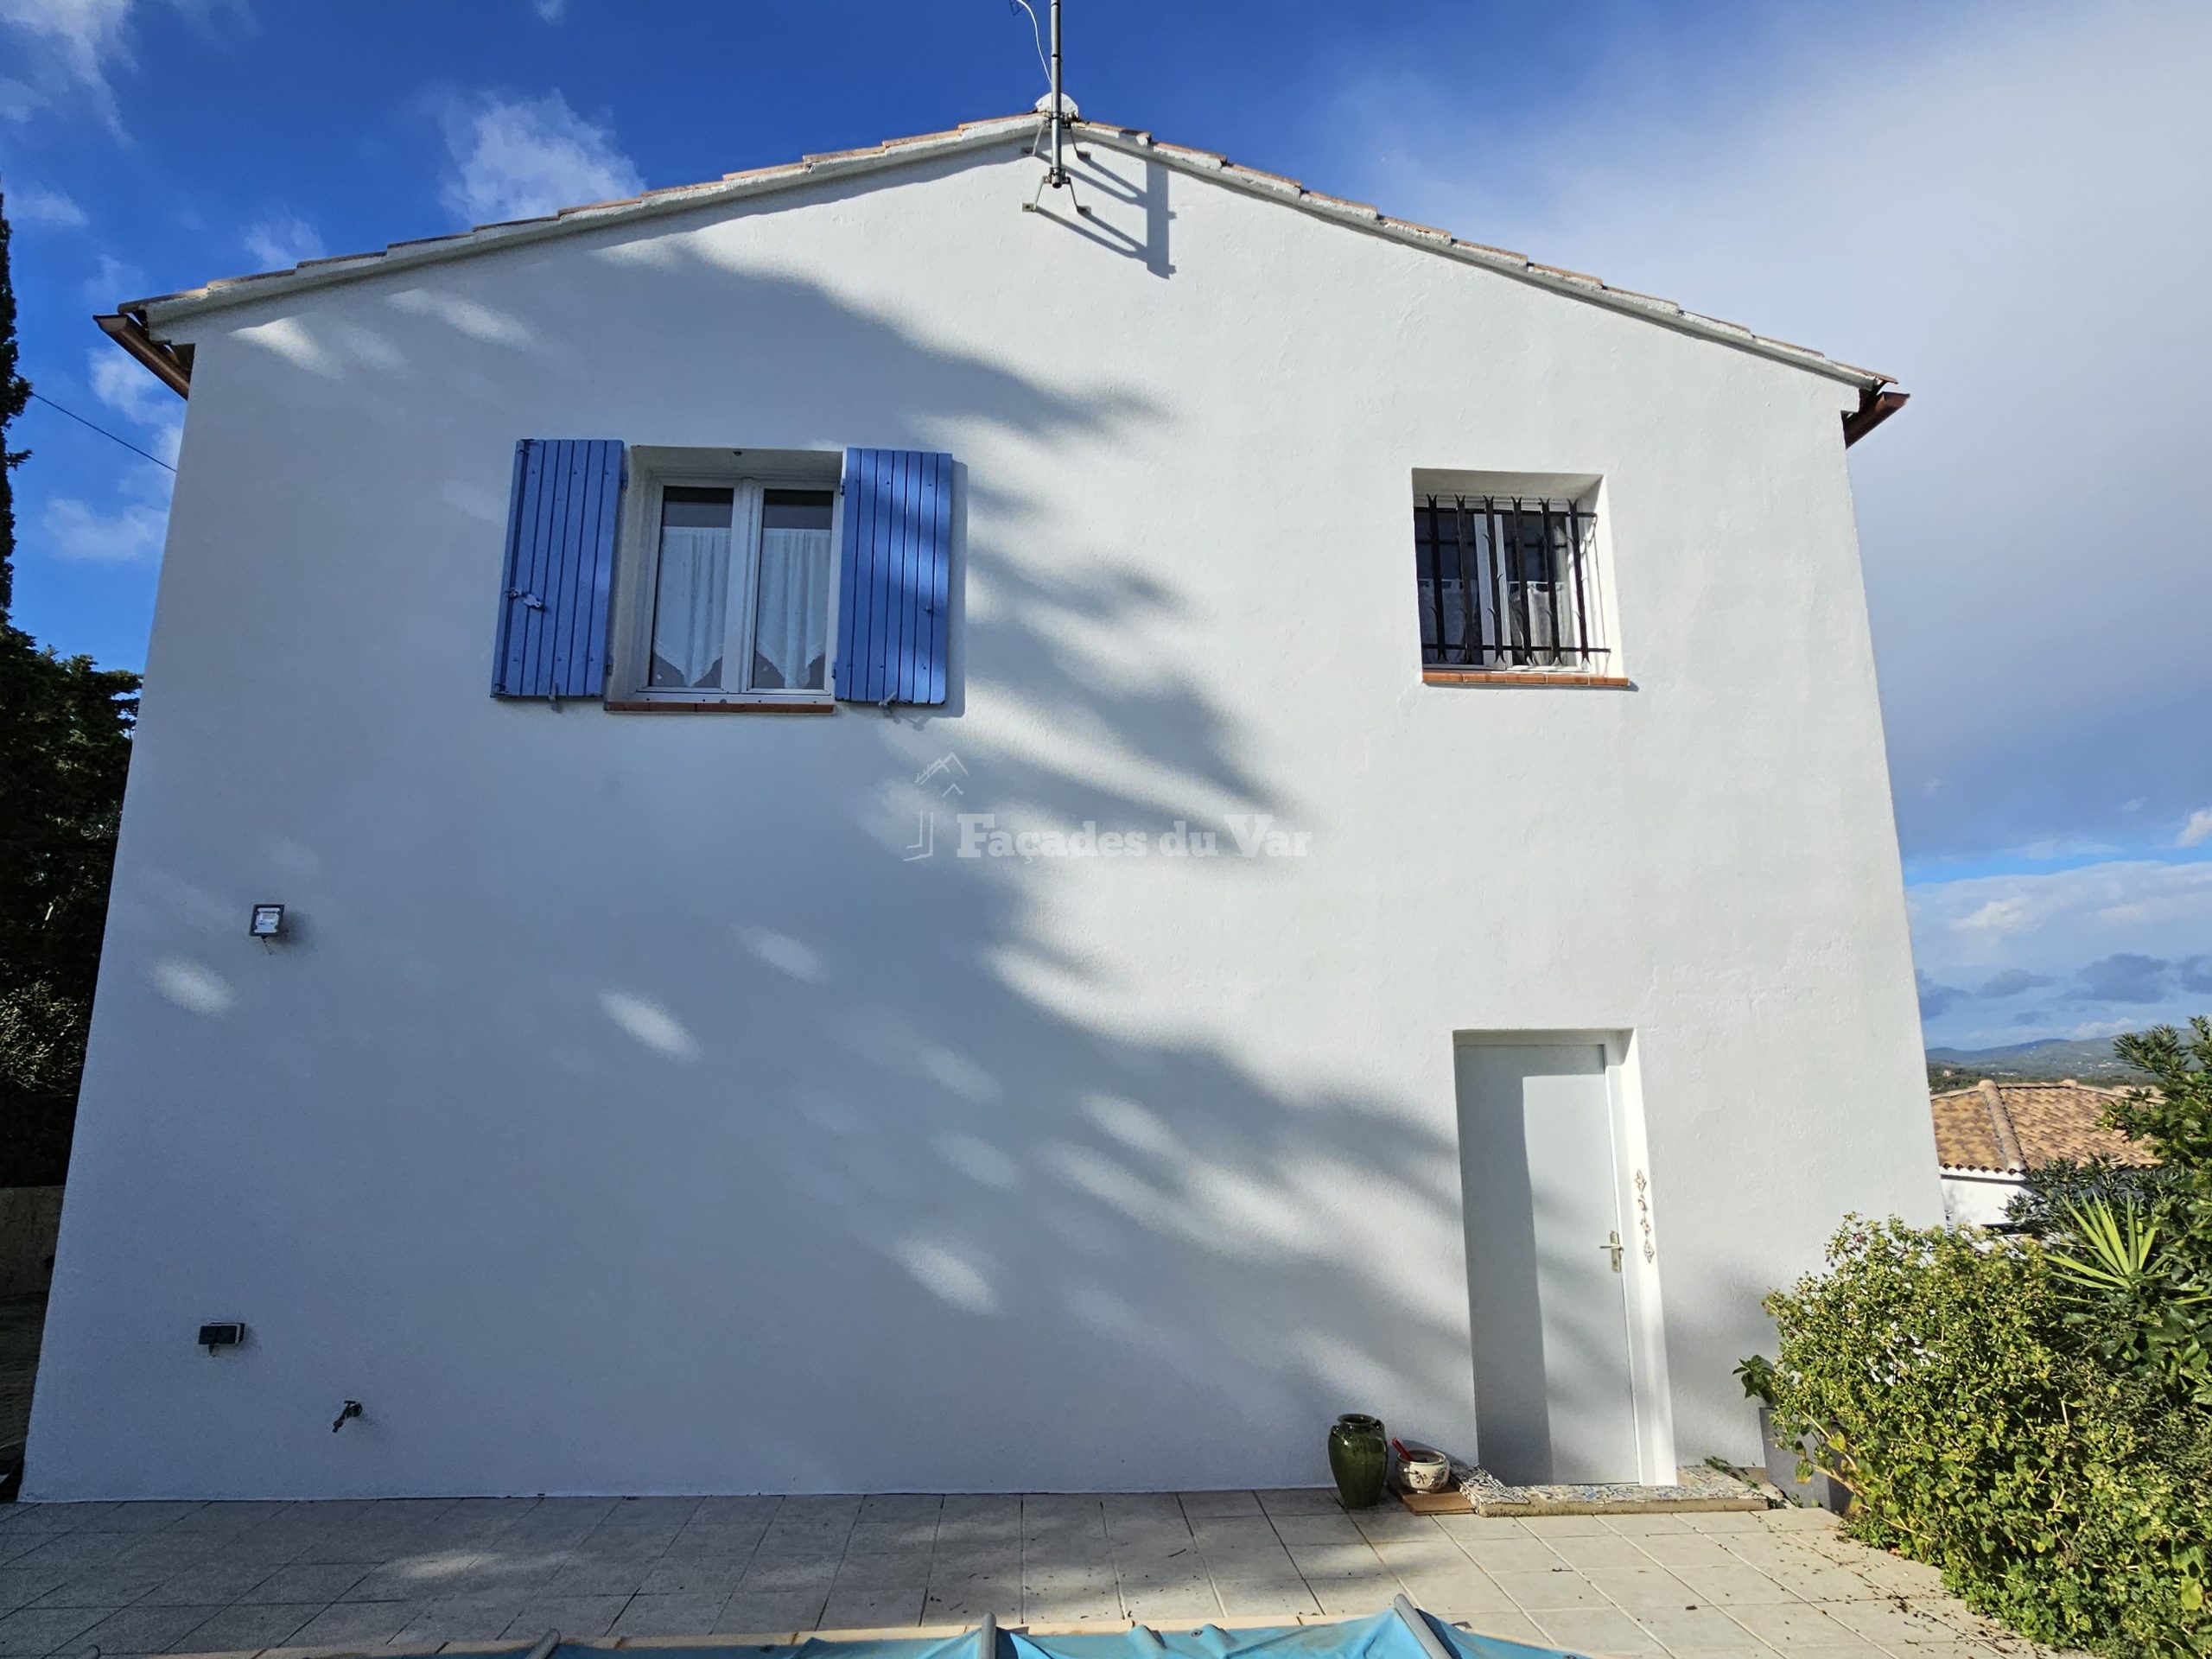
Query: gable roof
x,y
2012,1127
137,324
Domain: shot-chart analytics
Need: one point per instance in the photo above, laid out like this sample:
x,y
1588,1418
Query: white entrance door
x,y
1554,1397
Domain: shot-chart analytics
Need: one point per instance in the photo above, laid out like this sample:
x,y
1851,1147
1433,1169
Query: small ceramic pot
x,y
1359,1457
1425,1472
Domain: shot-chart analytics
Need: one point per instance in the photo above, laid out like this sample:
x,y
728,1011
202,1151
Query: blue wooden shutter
x,y
896,579
560,569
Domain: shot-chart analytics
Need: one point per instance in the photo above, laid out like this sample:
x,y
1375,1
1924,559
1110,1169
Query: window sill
x,y
1522,677
720,705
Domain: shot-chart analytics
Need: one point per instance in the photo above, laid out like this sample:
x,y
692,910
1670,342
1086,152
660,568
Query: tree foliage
x,y
65,748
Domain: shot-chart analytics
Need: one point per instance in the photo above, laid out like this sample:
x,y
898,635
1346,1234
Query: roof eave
x,y
170,365
166,311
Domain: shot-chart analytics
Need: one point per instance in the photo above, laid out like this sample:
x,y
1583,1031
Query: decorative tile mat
x,y
1700,1488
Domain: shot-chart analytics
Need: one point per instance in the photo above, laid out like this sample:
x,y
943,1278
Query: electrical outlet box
x,y
225,1333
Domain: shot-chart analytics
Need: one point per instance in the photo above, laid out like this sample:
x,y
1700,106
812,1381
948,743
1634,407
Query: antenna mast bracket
x,y
1056,110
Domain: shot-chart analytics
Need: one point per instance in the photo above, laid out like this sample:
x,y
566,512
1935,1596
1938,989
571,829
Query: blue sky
x,y
2006,206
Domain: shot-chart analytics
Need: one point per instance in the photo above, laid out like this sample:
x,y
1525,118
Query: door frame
x,y
1636,1201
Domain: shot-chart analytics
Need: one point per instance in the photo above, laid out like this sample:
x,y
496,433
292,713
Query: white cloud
x,y
282,240
2197,830
1916,191
550,11
2062,951
69,45
521,158
83,534
29,204
118,381
124,387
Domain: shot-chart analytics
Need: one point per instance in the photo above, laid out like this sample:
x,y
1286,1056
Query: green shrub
x,y
2073,1504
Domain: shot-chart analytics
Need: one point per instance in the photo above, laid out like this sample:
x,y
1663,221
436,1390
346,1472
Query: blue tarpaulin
x,y
1393,1635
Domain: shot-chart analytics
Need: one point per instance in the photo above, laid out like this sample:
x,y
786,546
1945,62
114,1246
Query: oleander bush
x,y
1983,1433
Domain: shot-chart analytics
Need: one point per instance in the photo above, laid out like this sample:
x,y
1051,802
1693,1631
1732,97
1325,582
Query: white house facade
x,y
1099,835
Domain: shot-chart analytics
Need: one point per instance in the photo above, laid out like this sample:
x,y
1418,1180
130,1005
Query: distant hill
x,y
2088,1059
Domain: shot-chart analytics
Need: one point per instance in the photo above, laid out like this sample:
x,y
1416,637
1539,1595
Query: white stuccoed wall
x,y
628,1115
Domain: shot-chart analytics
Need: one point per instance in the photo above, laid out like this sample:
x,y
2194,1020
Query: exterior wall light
x,y
268,922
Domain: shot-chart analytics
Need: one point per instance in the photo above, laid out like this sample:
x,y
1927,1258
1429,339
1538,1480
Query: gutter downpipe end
x,y
1875,406
127,330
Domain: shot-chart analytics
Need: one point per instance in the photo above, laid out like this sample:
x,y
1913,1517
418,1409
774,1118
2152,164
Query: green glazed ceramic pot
x,y
1359,1456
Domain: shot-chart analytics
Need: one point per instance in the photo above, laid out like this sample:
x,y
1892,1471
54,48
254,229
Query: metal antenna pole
x,y
1058,176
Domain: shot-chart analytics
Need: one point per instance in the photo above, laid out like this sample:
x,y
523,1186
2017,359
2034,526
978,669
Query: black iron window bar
x,y
1507,582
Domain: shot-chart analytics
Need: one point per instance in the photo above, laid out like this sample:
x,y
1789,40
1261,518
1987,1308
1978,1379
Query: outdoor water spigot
x,y
351,1408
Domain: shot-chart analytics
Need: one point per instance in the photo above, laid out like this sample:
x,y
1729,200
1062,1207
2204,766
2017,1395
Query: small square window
x,y
734,599
1508,582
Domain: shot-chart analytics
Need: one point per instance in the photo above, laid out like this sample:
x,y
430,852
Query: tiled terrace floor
x,y
149,1578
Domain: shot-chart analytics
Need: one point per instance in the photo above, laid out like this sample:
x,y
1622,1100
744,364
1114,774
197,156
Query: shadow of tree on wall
x,y
726,1115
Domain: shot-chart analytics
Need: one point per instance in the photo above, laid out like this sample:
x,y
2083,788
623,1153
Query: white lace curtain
x,y
791,629
690,606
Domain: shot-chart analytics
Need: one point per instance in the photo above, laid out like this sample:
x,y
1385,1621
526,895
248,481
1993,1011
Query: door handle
x,y
1612,1246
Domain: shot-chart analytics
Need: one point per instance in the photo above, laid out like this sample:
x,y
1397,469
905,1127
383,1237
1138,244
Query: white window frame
x,y
748,474
1589,491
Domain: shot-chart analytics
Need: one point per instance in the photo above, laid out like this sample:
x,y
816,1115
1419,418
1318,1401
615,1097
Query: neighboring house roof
x,y
2012,1127
137,324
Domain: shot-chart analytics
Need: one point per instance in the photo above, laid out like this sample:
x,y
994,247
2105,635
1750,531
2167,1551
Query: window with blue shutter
x,y
560,569
896,576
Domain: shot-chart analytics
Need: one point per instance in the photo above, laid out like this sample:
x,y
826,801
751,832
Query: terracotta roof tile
x,y
2045,1121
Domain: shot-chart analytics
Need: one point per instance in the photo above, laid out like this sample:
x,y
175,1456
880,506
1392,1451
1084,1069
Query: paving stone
x,y
1730,1585
145,1628
671,1615
1687,1549
874,1606
786,1609
1796,1519
1214,1506
1602,1549
962,1598
1638,1587
733,1511
107,1586
1461,1528
321,1583
1889,1623
1694,1628
33,1631
1392,1521
1264,1595
357,1624
1790,1625
597,1577
1172,1601
210,1584
1542,1592
242,1628
1642,1526
1522,1554
1316,1528
732,1542
579,1618
693,1578
461,1618
1506,1626
1601,1632
1559,1526
1351,1598
1300,1500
